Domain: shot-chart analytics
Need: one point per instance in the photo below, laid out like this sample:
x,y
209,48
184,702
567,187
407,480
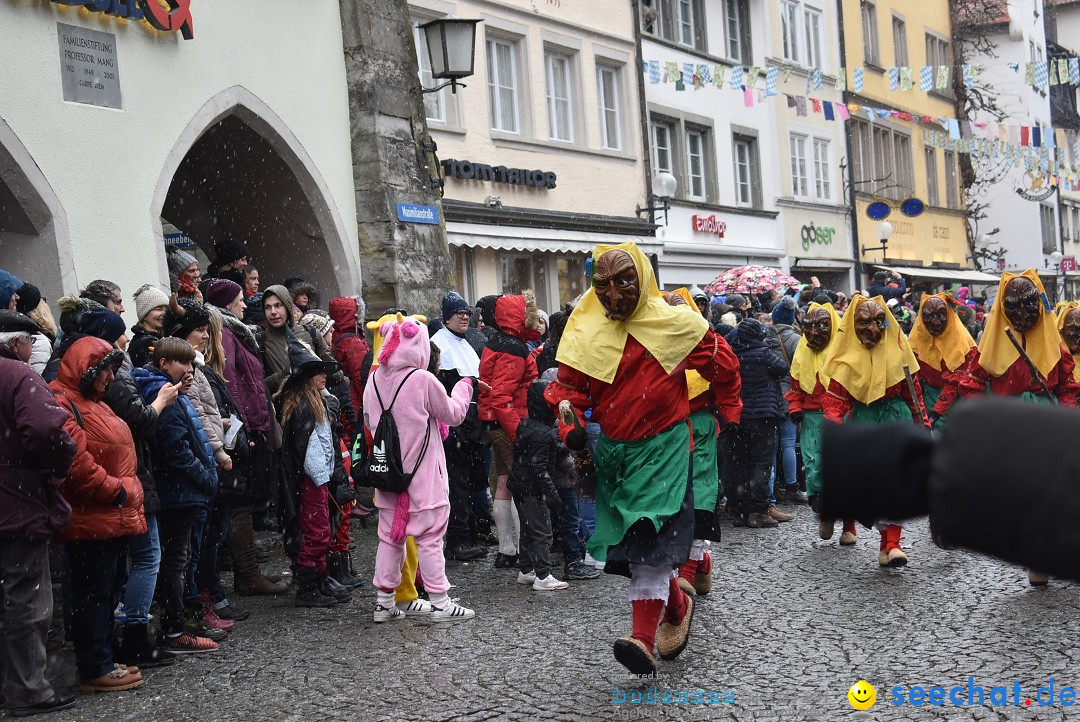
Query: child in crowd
x,y
422,511
536,448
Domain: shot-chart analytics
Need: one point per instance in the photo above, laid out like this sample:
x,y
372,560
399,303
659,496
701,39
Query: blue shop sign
x,y
410,213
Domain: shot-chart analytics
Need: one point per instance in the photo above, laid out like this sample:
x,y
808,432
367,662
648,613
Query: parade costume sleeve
x,y
799,400
573,386
717,363
951,385
1017,380
836,403
972,498
931,375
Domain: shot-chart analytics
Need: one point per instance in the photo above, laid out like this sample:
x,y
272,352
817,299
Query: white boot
x,y
503,510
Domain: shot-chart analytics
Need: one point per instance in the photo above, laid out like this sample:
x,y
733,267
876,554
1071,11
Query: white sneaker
x,y
415,608
524,578
382,614
589,561
549,584
453,612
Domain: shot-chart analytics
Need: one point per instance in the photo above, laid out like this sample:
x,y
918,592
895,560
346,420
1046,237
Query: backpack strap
x,y
378,396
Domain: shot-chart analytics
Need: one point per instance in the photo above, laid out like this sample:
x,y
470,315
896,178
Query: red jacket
x,y
507,367
105,460
349,349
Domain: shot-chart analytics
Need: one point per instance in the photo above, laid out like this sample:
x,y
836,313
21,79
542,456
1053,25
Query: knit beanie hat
x,y
101,323
147,298
29,298
317,320
179,260
183,318
784,312
228,251
221,292
452,302
9,285
736,300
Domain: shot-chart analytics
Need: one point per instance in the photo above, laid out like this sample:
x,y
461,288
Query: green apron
x,y
882,411
813,422
637,480
706,477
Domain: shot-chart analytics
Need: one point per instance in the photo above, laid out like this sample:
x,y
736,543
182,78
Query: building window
x,y
737,30
560,105
881,160
812,25
789,30
899,39
680,21
695,165
930,158
822,170
662,146
1049,228
799,180
869,32
608,80
503,85
747,172
938,53
952,188
686,22
434,103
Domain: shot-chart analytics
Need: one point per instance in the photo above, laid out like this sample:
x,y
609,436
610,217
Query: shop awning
x,y
816,263
522,238
942,274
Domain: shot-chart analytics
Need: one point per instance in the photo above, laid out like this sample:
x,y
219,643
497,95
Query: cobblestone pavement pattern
x,y
791,624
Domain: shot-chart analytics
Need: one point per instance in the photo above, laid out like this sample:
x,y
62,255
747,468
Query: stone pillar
x,y
403,264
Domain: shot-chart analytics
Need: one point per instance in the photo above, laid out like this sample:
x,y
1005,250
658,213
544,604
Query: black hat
x,y
29,298
305,364
184,316
229,250
15,322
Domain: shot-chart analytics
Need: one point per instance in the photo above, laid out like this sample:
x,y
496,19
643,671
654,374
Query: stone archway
x,y
34,240
238,172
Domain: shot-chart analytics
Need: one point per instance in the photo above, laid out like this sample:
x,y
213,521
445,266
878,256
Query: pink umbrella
x,y
750,279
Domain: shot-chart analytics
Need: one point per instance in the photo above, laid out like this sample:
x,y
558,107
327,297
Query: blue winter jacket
x,y
761,369
184,469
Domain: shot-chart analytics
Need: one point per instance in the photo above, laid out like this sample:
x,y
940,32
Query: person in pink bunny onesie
x,y
423,413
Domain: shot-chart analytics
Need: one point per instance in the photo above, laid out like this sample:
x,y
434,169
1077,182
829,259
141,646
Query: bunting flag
x,y
860,74
752,76
1063,70
926,78
688,73
969,76
654,71
841,111
943,77
800,105
787,74
828,108
718,76
817,78
1029,73
1074,71
815,103
771,76
748,96
1053,72
737,75
1042,74
954,128
894,78
907,79
680,86
841,80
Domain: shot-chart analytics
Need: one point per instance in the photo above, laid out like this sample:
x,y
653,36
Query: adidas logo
x,y
378,468
379,452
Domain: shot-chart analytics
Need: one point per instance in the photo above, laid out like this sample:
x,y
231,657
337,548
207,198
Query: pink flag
x,y
748,96
841,111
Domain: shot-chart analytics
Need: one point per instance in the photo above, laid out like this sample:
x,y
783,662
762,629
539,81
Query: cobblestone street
x,y
791,624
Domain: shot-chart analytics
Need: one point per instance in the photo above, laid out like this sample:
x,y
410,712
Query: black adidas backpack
x,y
385,470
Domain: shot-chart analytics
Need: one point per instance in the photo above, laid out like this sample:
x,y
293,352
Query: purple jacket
x,y
33,447
244,372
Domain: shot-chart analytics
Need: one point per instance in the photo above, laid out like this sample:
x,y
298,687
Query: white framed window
x,y
899,40
933,197
687,29
881,160
680,21
799,174
822,169
952,187
663,145
812,24
696,189
747,173
869,32
789,30
559,67
503,85
608,81
434,103
737,30
1048,227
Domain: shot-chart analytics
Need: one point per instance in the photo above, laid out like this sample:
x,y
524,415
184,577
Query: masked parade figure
x,y
804,405
623,355
871,371
943,347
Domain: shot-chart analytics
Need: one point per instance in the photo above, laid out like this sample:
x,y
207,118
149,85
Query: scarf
x,y
951,346
807,364
593,344
867,373
456,353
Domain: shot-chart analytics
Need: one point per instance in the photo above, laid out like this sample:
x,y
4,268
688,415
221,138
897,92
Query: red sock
x,y
892,536
884,537
705,565
646,614
676,603
687,570
849,525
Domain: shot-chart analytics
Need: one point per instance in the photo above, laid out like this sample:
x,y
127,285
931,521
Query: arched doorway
x,y
237,172
34,242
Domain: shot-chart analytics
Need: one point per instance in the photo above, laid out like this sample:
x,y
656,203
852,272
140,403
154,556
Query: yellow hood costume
x,y
868,373
952,346
807,364
695,385
1062,311
593,344
1042,343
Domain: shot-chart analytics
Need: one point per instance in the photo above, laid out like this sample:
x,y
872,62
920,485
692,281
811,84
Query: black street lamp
x,y
451,45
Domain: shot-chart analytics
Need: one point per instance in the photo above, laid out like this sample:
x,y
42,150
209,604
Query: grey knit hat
x,y
179,260
147,298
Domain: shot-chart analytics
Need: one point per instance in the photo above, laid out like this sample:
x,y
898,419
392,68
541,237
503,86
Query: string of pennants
x,y
1040,149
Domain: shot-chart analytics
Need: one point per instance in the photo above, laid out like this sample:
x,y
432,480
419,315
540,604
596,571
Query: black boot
x,y
138,649
337,569
331,587
351,571
308,593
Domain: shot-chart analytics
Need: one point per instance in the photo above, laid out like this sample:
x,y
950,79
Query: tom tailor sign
x,y
177,16
709,224
467,170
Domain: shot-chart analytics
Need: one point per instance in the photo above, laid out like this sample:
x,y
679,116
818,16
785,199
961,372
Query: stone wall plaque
x,y
89,70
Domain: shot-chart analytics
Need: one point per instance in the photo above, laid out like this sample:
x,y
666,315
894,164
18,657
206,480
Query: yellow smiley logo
x,y
862,695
